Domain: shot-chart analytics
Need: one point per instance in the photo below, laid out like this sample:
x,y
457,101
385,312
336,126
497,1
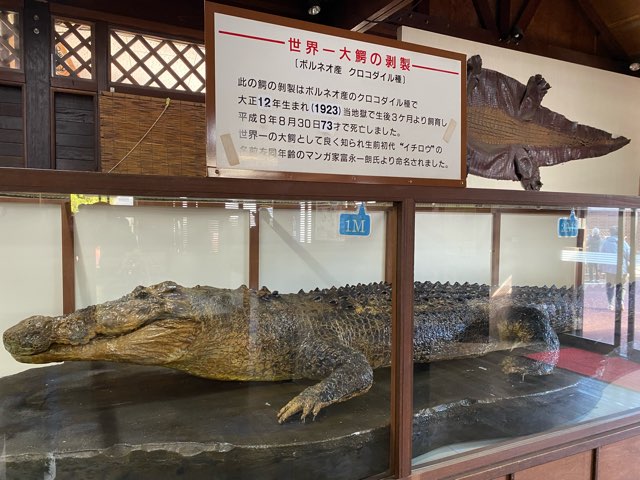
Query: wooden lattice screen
x,y
146,61
73,43
175,146
10,40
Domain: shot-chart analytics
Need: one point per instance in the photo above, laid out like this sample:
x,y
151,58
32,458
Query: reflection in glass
x,y
204,375
506,279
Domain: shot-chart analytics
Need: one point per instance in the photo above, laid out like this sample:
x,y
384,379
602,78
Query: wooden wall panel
x,y
619,461
576,467
175,145
75,124
11,127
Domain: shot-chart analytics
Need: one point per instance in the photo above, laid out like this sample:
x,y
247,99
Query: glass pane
x,y
10,40
170,361
513,331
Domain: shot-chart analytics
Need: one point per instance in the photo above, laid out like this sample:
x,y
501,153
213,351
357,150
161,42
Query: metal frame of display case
x,y
486,464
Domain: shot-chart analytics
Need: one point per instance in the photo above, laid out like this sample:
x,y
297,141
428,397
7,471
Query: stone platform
x,y
110,421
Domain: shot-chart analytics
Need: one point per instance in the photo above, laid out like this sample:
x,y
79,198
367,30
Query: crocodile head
x,y
119,330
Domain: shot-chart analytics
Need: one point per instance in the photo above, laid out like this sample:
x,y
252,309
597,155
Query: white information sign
x,y
294,100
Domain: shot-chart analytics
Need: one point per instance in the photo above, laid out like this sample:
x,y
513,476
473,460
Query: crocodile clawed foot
x,y
308,402
520,366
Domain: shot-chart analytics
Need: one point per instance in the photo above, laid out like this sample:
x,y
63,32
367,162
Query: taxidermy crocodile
x,y
510,135
337,336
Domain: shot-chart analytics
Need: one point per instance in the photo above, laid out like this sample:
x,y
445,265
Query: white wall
x,y
530,251
301,248
118,248
597,98
453,247
31,260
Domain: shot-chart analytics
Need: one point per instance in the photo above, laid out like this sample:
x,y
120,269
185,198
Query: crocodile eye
x,y
140,293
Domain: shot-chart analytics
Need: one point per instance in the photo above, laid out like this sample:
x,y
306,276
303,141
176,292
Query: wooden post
x,y
37,69
402,342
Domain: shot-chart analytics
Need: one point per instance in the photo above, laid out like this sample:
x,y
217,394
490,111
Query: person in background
x,y
594,242
610,246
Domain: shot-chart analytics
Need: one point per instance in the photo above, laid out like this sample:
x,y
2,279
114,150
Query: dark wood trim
x,y
496,225
11,77
254,249
526,14
68,259
532,451
157,92
102,79
594,463
210,109
503,13
631,319
12,4
402,342
101,38
580,243
76,84
19,180
52,123
485,15
380,15
391,244
161,29
37,68
608,39
74,91
338,178
527,45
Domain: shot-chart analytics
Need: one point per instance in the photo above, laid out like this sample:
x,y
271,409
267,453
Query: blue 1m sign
x,y
358,224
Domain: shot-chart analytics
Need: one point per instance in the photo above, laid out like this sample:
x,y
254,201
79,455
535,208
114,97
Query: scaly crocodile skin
x,y
336,336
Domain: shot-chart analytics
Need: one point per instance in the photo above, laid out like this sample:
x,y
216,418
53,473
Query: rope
x,y
167,102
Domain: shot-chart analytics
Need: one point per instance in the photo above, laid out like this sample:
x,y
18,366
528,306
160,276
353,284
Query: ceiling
x,y
599,33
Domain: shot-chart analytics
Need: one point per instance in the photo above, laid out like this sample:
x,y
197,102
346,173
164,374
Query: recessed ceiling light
x,y
314,10
634,67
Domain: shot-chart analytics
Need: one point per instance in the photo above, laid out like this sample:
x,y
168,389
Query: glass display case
x,y
237,329
545,336
164,282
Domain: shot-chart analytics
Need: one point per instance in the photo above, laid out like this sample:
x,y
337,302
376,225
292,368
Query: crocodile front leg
x,y
345,373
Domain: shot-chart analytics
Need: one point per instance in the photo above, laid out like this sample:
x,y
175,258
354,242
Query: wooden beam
x,y
485,15
68,259
254,249
37,71
504,18
402,341
609,41
526,14
528,45
364,15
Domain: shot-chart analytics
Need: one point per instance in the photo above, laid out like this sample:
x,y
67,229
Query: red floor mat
x,y
608,369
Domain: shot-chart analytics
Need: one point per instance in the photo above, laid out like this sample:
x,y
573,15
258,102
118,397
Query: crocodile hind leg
x,y
345,373
528,327
526,169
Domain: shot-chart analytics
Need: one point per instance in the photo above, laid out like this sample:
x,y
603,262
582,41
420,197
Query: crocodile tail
x,y
573,141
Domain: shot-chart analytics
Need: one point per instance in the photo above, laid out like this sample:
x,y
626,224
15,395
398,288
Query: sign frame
x,y
214,170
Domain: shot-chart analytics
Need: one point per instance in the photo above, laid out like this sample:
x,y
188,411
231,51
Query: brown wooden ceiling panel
x,y
563,24
622,18
599,33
